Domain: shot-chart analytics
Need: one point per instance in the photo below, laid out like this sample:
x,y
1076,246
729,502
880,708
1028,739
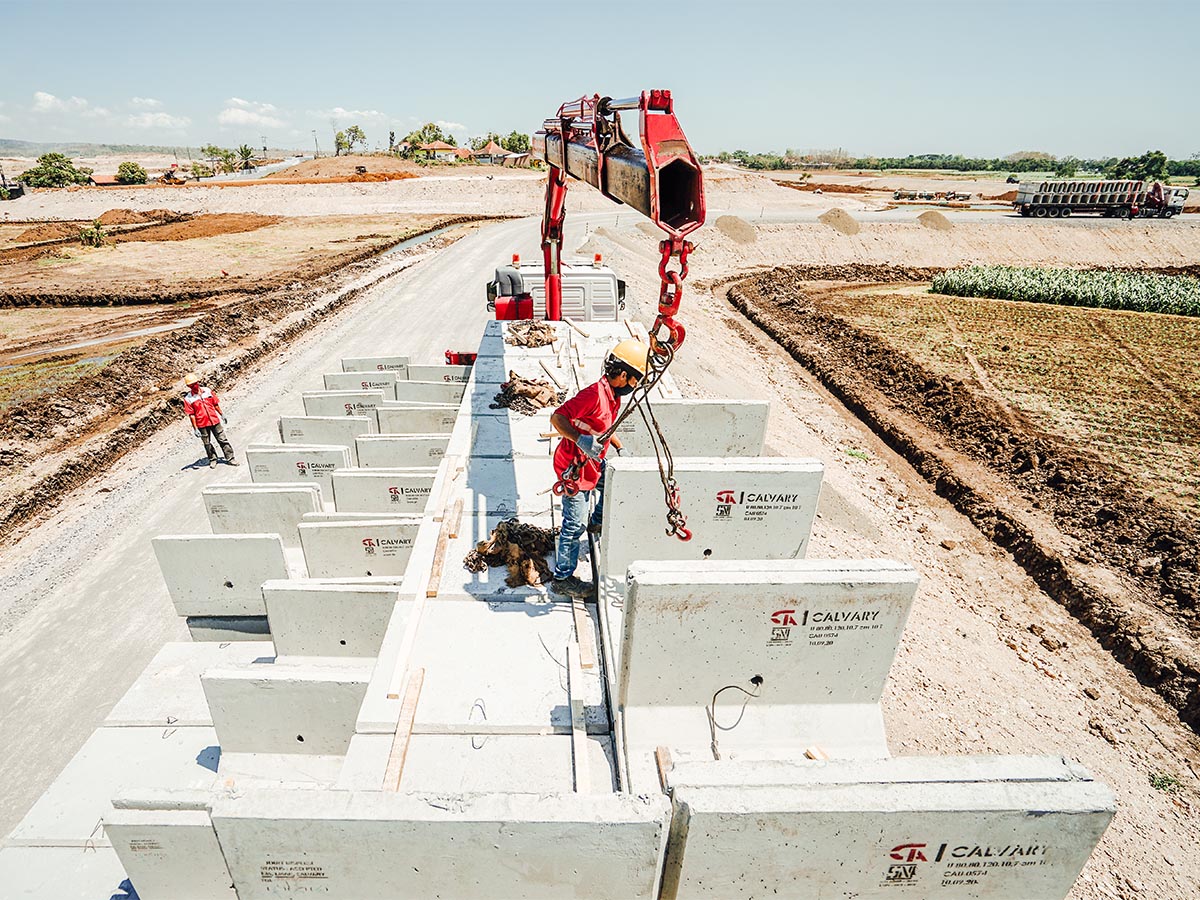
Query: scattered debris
x,y
527,395
948,544
520,547
530,334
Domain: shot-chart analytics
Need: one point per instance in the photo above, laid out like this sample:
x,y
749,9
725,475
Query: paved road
x,y
82,604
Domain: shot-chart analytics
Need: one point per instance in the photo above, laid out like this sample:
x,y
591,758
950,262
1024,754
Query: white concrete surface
x,y
414,418
62,873
497,668
314,618
819,634
317,517
382,490
375,364
219,575
399,451
364,548
880,839
384,382
341,403
287,463
503,435
261,508
170,854
429,391
350,844
508,487
710,428
337,431
168,692
306,709
113,760
456,374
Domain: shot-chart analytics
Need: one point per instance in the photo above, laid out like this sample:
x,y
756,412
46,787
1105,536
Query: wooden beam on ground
x,y
456,518
408,714
576,327
583,634
546,369
662,758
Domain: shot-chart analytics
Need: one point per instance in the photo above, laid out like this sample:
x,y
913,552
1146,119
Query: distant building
x,y
491,153
104,180
440,150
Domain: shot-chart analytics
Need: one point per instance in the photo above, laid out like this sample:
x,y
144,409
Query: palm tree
x,y
246,153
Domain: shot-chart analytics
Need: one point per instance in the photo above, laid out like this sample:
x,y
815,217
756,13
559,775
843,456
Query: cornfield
x,y
1178,295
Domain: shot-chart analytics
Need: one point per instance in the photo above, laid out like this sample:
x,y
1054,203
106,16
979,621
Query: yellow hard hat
x,y
191,378
633,354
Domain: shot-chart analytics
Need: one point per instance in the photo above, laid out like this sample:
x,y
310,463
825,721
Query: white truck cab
x,y
591,291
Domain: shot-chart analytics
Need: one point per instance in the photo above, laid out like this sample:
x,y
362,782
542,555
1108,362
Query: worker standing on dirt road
x,y
203,408
580,420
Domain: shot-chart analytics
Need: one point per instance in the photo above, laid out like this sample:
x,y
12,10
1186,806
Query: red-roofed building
x,y
490,153
440,150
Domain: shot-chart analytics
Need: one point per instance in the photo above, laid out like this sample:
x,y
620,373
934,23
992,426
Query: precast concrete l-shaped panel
x,y
261,508
314,618
416,418
455,374
398,451
219,575
287,463
710,428
878,838
375,364
430,391
374,844
170,854
341,403
335,431
384,382
351,549
405,491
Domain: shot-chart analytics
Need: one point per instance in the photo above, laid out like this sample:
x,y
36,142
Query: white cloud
x,y
48,103
249,112
145,102
450,126
4,118
353,116
158,120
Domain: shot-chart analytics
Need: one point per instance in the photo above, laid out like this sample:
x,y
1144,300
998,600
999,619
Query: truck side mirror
x,y
491,295
620,293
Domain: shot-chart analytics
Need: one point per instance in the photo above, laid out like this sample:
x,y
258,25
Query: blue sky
x,y
887,78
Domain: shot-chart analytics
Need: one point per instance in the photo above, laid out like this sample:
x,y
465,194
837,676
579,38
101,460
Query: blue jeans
x,y
574,517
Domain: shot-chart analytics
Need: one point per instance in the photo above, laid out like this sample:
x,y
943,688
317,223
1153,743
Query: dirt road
x,y
86,609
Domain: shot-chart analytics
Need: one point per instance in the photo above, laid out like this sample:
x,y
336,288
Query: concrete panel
x,y
360,844
456,374
430,391
261,508
341,403
398,451
62,873
363,381
318,517
508,487
297,462
296,709
711,428
312,618
821,636
170,854
417,418
219,575
336,431
112,761
737,508
380,713
382,490
168,690
348,549
496,668
880,840
375,364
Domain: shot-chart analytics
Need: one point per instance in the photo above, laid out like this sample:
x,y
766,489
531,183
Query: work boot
x,y
571,587
212,463
232,462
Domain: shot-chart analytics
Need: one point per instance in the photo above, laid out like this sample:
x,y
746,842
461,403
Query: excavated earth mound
x,y
737,229
935,220
840,220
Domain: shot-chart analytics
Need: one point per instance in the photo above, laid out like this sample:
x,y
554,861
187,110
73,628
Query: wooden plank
x,y
408,714
662,757
815,752
583,634
456,518
439,560
583,780
546,369
576,327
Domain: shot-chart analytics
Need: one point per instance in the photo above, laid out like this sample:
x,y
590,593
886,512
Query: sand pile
x,y
138,217
737,229
200,227
52,231
840,220
935,220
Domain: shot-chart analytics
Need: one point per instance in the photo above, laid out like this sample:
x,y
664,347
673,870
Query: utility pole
x,y
315,144
264,139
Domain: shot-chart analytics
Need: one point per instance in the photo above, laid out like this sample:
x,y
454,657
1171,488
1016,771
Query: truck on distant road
x,y
591,291
1116,199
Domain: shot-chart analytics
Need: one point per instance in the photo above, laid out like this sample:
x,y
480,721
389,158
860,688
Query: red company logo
x,y
368,542
909,853
727,497
303,467
366,386
786,617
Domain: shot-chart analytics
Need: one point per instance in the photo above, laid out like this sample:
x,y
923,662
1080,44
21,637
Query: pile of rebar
x,y
518,546
527,395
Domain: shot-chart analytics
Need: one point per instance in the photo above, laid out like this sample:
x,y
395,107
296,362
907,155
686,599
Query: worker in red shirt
x,y
203,409
580,420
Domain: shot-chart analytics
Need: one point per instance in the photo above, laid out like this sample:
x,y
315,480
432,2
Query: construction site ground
x,y
990,663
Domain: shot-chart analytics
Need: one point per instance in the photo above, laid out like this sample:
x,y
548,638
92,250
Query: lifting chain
x,y
662,352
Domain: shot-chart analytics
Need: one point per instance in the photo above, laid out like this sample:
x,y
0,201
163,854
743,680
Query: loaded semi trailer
x,y
1117,199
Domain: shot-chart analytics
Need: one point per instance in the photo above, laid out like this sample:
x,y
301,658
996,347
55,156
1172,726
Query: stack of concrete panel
x,y
386,363
261,508
400,451
341,403
276,463
416,418
336,431
429,391
384,382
